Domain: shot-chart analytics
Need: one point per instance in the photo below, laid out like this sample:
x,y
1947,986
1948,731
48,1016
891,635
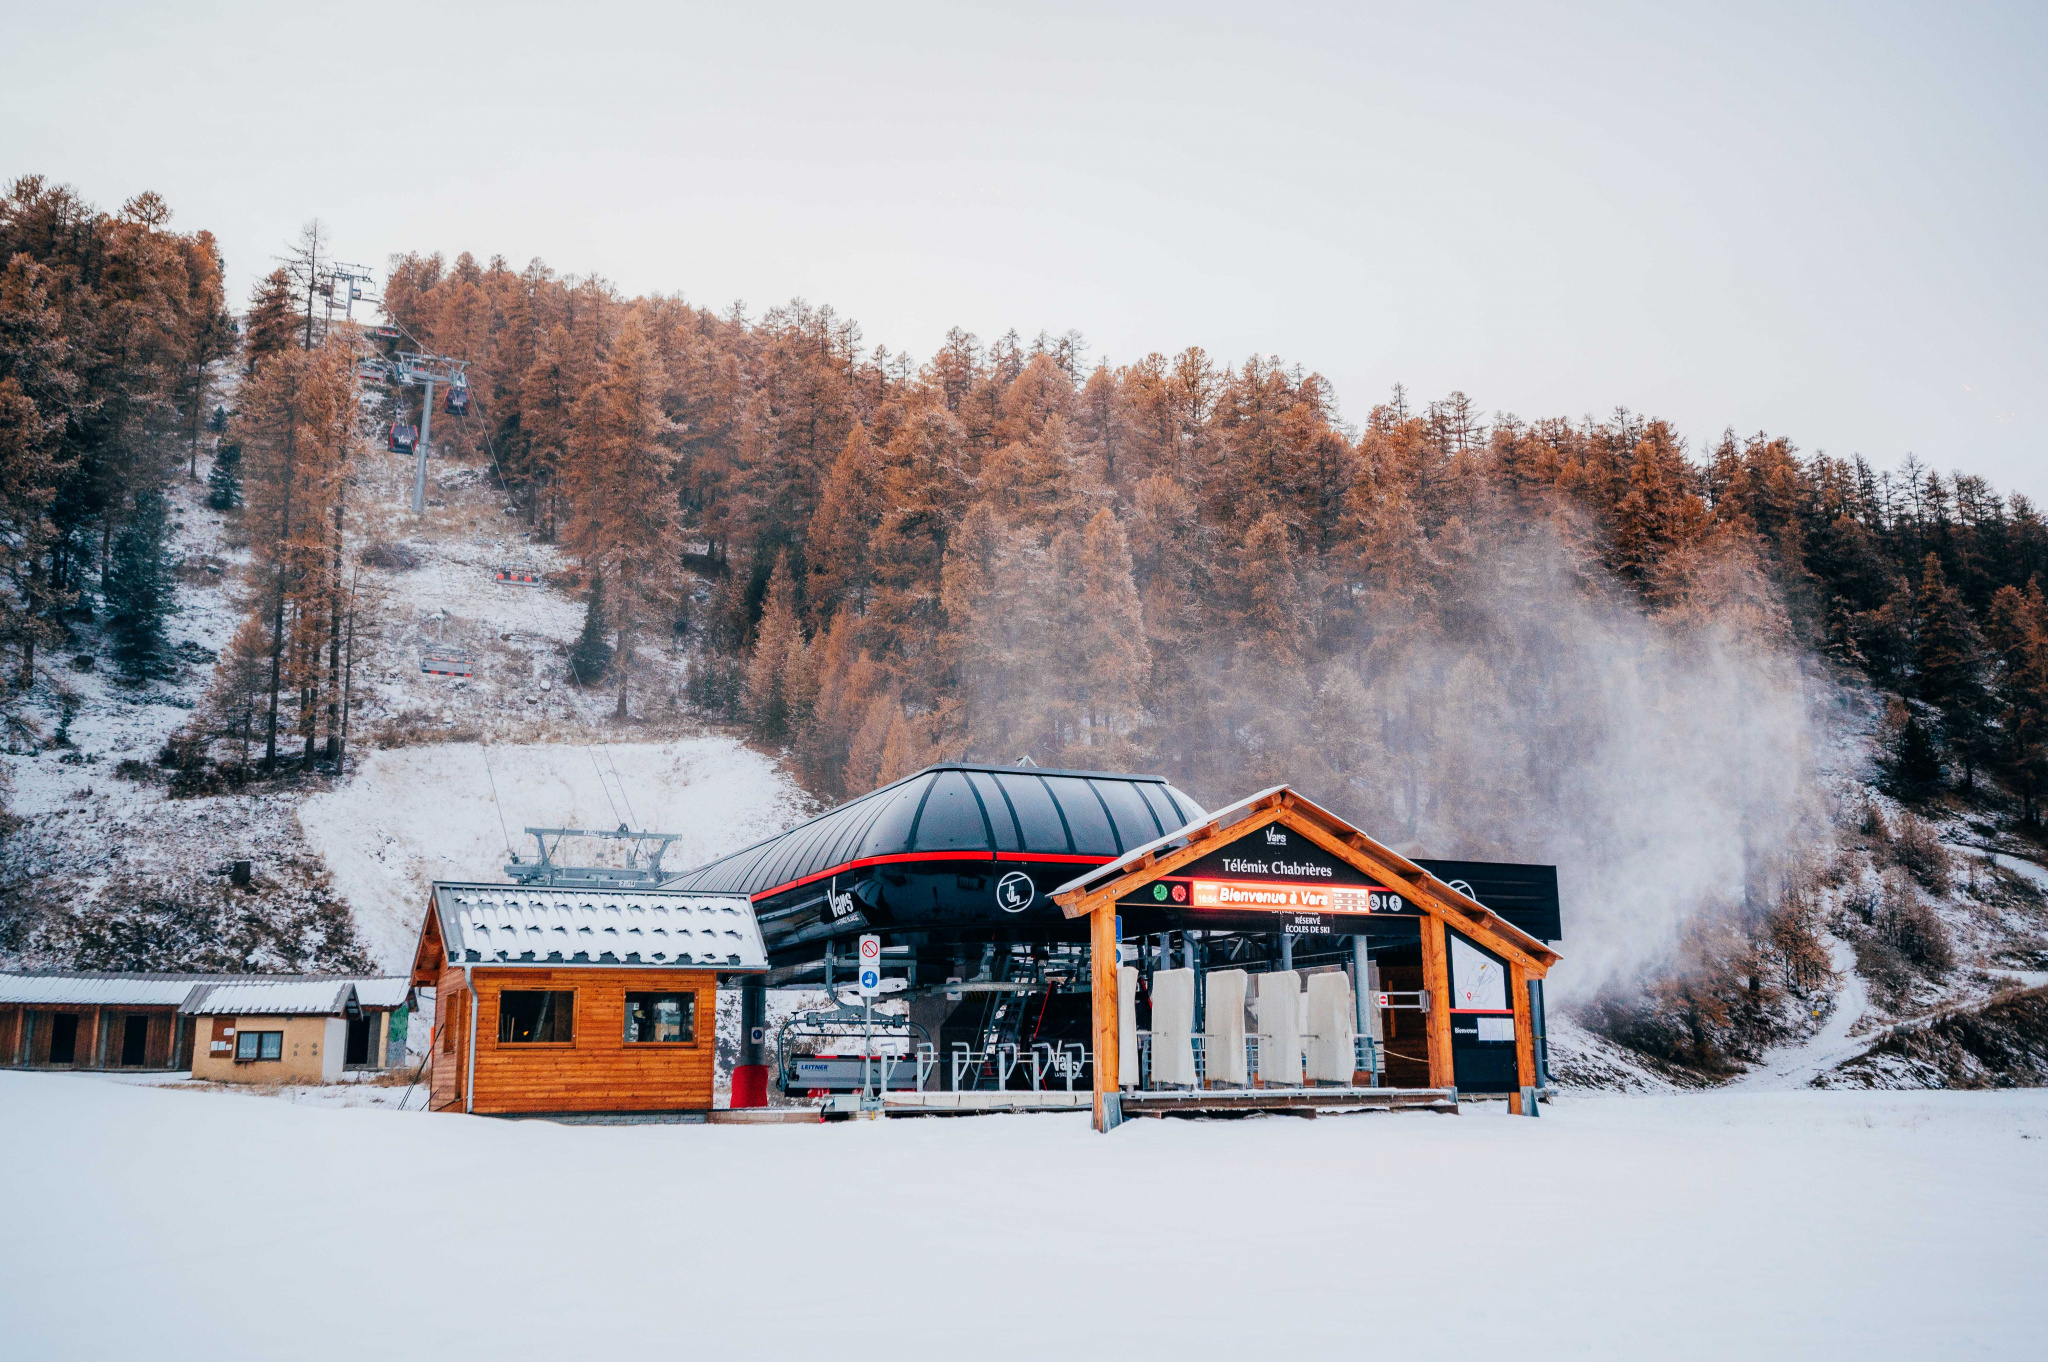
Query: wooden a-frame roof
x,y
1105,884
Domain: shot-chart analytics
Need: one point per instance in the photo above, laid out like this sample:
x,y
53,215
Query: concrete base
x,y
766,1116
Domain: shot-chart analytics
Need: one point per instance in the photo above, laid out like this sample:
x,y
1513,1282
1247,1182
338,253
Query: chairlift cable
x,y
495,801
575,678
491,447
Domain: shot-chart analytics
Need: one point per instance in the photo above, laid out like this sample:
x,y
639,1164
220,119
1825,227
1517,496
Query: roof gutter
x,y
469,1070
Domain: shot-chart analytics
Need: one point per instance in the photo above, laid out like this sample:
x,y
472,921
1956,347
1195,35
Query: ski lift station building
x,y
1036,925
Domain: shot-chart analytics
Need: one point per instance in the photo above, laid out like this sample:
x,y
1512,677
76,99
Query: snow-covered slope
x,y
416,814
1776,1225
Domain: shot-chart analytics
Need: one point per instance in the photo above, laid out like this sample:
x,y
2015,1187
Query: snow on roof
x,y
298,997
78,988
100,990
391,992
517,924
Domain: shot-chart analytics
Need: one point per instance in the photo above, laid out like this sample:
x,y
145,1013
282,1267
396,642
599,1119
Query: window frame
x,y
626,1016
498,1035
258,1037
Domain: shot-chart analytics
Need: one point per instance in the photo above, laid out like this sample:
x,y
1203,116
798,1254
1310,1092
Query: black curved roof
x,y
957,811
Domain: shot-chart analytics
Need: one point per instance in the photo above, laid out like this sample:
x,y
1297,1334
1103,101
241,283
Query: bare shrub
x,y
1794,929
1886,969
1916,931
1920,853
392,557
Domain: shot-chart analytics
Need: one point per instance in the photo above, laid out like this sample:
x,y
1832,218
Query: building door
x,y
358,1051
64,1038
134,1042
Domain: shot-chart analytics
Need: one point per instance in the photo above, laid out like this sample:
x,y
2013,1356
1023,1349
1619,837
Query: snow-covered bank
x,y
417,814
1786,1225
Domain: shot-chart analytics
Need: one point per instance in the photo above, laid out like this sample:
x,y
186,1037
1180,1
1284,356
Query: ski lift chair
x,y
440,661
513,574
404,438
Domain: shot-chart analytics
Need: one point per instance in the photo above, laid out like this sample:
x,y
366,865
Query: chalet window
x,y
660,1018
536,1017
252,1045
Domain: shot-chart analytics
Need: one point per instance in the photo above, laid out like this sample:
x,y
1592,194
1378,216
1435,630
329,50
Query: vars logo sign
x,y
1275,836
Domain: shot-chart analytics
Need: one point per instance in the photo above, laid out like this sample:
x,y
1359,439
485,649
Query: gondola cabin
x,y
457,402
403,438
558,1001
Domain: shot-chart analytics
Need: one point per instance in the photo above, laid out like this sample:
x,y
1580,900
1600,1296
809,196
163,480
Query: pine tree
x,y
270,324
592,656
1108,629
842,530
294,428
224,482
140,591
1949,661
922,491
625,509
777,642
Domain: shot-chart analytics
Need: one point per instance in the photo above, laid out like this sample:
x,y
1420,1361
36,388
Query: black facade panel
x,y
1085,817
1525,895
1043,830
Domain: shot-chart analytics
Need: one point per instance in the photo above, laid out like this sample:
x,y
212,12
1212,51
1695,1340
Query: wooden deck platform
x,y
1296,1101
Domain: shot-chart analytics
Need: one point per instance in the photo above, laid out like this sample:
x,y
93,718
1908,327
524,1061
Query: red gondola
x,y
404,438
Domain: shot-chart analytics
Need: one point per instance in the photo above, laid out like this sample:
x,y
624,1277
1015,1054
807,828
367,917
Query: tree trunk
x,y
334,640
291,435
622,660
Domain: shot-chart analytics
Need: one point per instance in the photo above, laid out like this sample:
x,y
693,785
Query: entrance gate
x,y
1278,862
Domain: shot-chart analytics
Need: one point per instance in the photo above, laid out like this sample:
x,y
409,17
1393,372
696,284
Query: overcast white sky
x,y
1821,221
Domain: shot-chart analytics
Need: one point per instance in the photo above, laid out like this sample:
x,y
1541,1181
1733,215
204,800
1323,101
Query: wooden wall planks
x,y
598,1070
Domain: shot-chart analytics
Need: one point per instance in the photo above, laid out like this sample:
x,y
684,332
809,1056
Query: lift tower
x,y
413,369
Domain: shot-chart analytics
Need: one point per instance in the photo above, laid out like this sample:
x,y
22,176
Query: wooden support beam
x,y
1525,1038
1422,891
1436,977
1078,904
1102,1003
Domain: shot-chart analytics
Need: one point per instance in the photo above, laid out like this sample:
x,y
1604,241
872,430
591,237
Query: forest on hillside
x,y
1568,639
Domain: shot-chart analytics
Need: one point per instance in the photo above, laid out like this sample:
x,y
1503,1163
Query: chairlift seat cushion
x,y
1173,1027
1331,1024
1224,1025
1279,1009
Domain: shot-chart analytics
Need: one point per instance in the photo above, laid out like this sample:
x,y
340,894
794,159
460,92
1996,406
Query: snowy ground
x,y
416,814
1779,1225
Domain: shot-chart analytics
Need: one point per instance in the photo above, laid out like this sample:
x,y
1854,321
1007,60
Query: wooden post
x,y
1102,1003
1525,1037
1436,977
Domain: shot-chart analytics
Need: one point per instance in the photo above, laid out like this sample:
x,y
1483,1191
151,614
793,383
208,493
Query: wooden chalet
x,y
1278,857
555,1001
